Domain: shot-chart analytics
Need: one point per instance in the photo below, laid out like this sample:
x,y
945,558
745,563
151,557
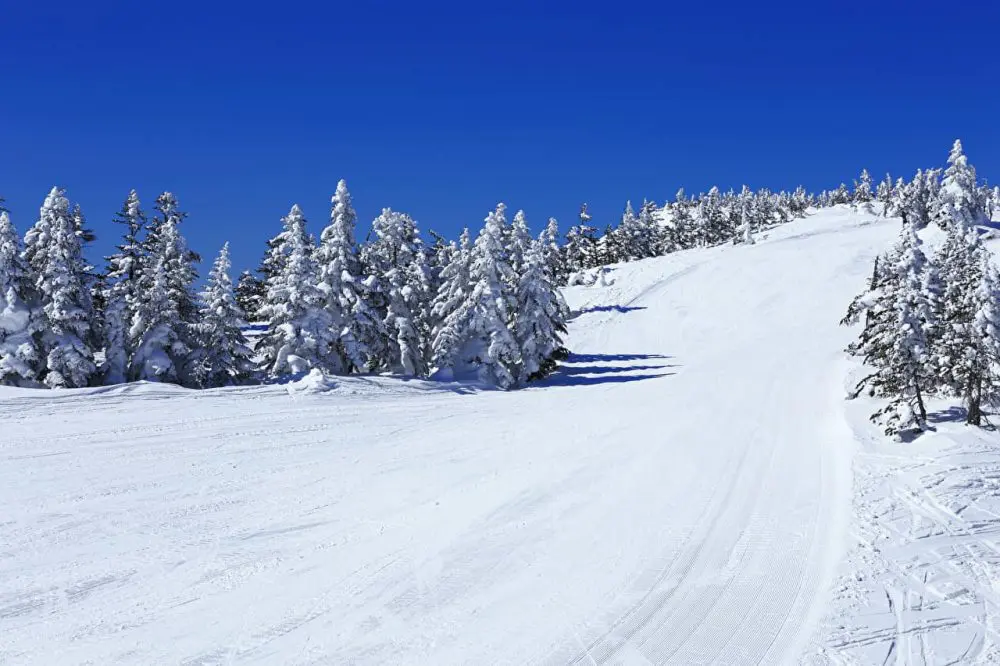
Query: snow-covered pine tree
x,y
540,319
19,353
224,357
492,305
300,335
396,256
747,212
649,237
249,293
683,230
894,342
474,335
54,254
549,240
362,337
122,280
959,197
863,188
960,261
164,337
841,195
580,249
799,203
450,308
982,359
714,227
518,242
884,194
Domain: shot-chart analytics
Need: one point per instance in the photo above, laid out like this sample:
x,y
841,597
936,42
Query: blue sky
x,y
443,109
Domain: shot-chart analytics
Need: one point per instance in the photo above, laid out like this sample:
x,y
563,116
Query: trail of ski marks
x,y
920,585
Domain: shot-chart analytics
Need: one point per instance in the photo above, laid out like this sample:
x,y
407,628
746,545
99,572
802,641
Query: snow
x,y
679,493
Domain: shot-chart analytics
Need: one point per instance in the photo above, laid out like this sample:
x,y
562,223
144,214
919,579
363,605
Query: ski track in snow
x,y
919,585
680,493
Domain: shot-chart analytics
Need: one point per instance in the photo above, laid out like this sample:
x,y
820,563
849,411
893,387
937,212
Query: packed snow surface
x,y
680,493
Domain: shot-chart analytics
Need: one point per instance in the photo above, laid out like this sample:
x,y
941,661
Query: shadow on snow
x,y
616,369
609,308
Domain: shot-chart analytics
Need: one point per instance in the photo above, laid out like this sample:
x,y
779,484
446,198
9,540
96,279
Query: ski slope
x,y
679,494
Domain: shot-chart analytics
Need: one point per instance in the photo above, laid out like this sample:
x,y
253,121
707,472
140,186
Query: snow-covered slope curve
x,y
676,495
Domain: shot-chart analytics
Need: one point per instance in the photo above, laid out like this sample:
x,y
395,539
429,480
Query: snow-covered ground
x,y
680,493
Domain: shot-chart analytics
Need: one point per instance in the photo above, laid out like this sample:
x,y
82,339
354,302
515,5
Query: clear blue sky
x,y
441,110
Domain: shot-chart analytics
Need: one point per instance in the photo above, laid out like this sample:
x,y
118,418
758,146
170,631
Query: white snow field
x,y
679,494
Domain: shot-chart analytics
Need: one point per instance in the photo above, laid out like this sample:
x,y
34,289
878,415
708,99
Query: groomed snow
x,y
680,493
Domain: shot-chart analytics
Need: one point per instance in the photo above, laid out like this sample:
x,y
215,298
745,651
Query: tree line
x,y
487,306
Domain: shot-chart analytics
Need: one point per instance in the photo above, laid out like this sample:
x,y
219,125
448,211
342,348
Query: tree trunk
x,y
974,401
920,403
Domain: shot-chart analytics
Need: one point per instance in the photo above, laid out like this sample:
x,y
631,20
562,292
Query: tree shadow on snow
x,y
616,370
611,358
610,308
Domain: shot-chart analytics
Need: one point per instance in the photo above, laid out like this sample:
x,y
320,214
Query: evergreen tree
x,y
580,249
747,212
982,360
840,196
19,353
224,357
518,242
552,253
650,240
301,334
450,307
348,294
249,292
397,256
894,341
959,197
165,338
884,193
863,188
122,280
474,335
960,259
540,319
54,254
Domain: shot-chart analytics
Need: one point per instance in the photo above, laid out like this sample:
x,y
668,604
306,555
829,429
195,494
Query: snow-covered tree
x,y
19,353
960,262
224,357
450,307
841,195
747,212
959,198
475,336
894,342
580,249
884,193
982,359
863,188
163,331
122,284
250,291
540,318
549,240
517,241
301,334
397,258
54,254
348,293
